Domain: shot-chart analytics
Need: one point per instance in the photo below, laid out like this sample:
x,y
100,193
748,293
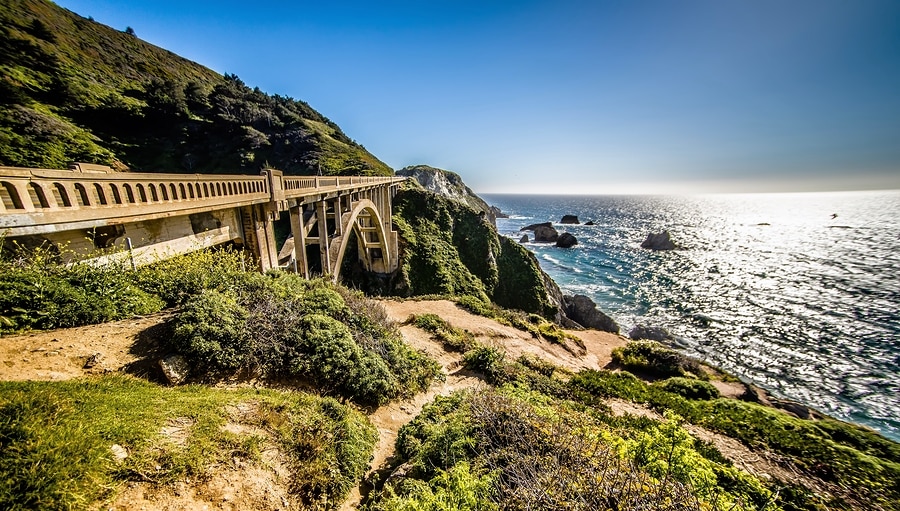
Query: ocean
x,y
797,293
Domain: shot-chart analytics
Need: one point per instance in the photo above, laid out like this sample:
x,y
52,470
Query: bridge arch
x,y
363,208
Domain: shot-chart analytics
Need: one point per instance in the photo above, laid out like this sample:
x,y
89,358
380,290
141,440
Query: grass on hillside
x,y
457,460
59,439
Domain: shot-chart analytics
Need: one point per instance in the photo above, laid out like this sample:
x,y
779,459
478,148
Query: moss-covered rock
x,y
448,248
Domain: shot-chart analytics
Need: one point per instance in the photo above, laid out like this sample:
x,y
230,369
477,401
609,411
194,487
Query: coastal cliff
x,y
449,248
450,185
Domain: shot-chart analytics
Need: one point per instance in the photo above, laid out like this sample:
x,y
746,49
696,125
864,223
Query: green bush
x,y
450,337
178,278
329,355
654,358
484,359
518,449
689,388
457,488
211,332
283,325
476,306
53,296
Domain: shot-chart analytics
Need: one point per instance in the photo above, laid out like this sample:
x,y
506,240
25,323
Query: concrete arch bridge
x,y
89,209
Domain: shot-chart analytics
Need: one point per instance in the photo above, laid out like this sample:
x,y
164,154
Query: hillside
x,y
72,89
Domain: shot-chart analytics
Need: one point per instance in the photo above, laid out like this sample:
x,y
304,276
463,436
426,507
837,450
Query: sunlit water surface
x,y
769,287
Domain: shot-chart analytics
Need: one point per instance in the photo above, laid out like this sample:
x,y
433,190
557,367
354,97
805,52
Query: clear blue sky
x,y
560,96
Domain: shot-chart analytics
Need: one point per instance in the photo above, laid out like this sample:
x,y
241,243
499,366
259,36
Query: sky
x,y
565,96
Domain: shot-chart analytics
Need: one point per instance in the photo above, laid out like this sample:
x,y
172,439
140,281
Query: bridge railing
x,y
306,183
38,200
40,189
41,200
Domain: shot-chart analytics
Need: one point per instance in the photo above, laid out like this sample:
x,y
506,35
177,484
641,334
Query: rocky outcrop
x,y
497,213
569,219
650,333
535,226
523,239
450,185
566,240
659,241
583,310
545,234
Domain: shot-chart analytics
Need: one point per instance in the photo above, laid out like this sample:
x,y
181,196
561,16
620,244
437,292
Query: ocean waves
x,y
764,285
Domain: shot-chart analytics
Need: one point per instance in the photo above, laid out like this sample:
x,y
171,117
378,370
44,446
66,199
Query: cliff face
x,y
448,184
450,246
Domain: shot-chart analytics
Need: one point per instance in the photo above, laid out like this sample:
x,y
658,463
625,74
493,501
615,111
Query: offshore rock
x,y
569,219
535,226
175,368
566,240
659,241
589,222
545,234
583,311
450,185
523,239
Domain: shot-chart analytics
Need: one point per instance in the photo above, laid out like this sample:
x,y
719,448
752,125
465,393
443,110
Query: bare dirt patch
x,y
129,344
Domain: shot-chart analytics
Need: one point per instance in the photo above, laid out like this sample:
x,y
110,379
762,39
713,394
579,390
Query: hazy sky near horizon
x,y
558,96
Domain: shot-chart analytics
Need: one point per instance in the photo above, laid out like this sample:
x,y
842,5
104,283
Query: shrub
x,y
476,305
452,338
654,358
284,325
689,388
210,332
523,450
53,296
484,359
459,487
178,278
329,355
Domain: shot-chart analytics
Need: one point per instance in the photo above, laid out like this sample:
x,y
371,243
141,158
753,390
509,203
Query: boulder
x,y
92,360
175,368
650,333
583,311
659,241
545,234
569,219
523,239
566,240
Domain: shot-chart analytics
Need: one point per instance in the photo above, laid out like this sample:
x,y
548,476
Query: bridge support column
x,y
298,228
259,236
322,219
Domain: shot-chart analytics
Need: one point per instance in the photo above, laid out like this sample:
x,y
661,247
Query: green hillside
x,y
72,89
